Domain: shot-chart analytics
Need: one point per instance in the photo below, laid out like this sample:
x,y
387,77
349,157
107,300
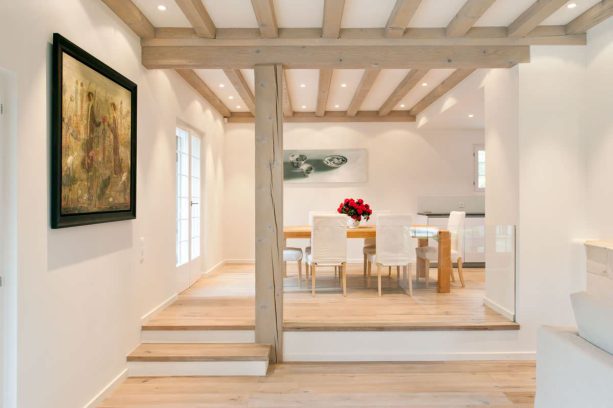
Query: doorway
x,y
188,196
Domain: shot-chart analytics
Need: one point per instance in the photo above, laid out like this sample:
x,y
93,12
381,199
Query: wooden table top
x,y
363,231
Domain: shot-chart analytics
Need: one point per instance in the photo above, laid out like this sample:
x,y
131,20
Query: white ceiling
x,y
303,84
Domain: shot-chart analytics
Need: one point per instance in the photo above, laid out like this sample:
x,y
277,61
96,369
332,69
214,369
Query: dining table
x,y
423,234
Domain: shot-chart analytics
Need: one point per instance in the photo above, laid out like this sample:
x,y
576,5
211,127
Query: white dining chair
x,y
328,247
291,254
371,242
393,247
455,226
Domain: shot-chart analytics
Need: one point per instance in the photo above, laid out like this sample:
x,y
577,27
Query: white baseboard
x,y
198,336
409,357
498,308
232,261
215,267
145,318
106,391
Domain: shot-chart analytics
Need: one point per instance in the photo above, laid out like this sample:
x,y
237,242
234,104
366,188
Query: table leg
x,y
444,262
421,263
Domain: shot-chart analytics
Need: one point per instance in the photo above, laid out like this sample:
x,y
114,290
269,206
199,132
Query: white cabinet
x,y
474,236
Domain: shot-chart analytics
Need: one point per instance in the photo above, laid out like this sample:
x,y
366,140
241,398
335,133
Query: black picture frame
x,y
60,219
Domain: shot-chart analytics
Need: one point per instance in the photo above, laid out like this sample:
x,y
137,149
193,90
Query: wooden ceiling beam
x,y
400,17
238,81
593,16
325,79
533,16
331,116
198,17
265,14
308,37
127,11
288,110
368,79
408,82
329,57
468,15
448,84
333,15
198,84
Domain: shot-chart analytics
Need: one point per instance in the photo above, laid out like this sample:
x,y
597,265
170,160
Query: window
x,y
479,157
188,196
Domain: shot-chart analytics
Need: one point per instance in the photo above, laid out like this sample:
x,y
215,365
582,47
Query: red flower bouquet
x,y
356,209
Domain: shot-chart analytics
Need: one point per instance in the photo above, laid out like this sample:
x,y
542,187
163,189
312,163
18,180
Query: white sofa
x,y
571,372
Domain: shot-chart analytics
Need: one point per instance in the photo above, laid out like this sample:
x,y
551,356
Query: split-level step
x,y
198,359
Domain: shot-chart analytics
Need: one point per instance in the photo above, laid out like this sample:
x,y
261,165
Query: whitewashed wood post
x,y
269,208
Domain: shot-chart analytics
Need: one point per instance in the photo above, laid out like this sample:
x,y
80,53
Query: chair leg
x,y
307,271
285,269
365,264
379,278
389,271
461,270
427,272
335,271
368,273
398,275
313,271
300,272
410,280
344,277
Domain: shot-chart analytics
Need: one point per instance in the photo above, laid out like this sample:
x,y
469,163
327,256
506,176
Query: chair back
x,y
373,218
315,213
329,239
394,243
456,230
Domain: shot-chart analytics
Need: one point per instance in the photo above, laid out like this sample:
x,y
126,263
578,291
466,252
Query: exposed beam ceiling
x,y
467,17
198,17
333,15
288,110
238,81
304,117
532,17
132,16
335,57
368,79
401,17
265,14
408,83
445,86
595,15
325,78
198,84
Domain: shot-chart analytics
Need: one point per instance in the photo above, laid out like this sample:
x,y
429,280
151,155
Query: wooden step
x,y
198,359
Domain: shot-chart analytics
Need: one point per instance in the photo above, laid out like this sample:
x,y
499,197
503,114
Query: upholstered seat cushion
x,y
292,254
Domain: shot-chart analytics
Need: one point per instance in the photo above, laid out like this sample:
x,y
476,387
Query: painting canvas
x,y
325,166
94,140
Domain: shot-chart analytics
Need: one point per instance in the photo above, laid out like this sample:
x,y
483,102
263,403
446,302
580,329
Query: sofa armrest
x,y
571,372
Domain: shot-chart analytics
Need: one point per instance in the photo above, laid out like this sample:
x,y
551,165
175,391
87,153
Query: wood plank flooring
x,y
200,352
225,300
325,385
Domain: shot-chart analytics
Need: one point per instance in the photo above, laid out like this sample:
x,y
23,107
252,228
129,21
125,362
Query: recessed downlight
x,y
230,97
571,5
337,106
162,7
238,106
302,85
343,85
424,84
402,105
303,106
470,115
222,86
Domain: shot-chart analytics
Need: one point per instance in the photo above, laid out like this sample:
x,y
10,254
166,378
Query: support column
x,y
269,208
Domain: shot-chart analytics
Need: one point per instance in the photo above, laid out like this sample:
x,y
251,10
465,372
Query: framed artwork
x,y
93,146
325,166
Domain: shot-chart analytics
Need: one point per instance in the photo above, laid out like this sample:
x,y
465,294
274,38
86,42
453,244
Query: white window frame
x,y
476,149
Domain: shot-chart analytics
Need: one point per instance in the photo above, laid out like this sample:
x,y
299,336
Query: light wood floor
x,y
225,299
314,385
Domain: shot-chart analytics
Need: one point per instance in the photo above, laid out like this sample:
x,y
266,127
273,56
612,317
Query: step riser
x,y
196,368
198,336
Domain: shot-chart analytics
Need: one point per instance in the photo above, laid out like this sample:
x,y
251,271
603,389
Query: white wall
x,y
82,291
404,163
501,92
598,130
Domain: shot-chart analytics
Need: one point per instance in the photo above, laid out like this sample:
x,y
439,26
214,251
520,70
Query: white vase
x,y
351,223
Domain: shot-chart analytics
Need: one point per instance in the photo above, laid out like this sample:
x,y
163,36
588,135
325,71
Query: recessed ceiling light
x,y
470,115
238,106
424,84
302,85
337,106
571,5
162,7
221,85
343,85
402,105
230,97
303,106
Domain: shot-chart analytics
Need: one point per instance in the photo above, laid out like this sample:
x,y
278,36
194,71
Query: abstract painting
x,y
94,140
325,166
